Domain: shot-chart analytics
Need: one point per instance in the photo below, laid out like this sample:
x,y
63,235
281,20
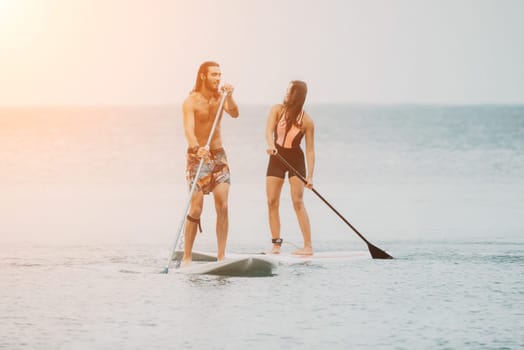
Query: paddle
x,y
376,253
181,226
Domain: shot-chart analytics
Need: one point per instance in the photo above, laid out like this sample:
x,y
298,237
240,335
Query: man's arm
x,y
230,106
189,123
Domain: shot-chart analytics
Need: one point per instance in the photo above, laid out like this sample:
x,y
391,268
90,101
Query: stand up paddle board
x,y
288,258
320,257
238,266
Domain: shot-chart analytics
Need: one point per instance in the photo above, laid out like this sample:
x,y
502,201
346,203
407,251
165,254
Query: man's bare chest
x,y
205,112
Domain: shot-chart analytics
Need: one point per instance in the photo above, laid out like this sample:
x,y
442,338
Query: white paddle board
x,y
197,256
321,257
288,258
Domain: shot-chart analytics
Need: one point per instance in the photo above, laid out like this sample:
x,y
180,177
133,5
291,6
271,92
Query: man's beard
x,y
211,86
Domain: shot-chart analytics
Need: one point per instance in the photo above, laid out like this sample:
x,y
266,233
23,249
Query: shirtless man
x,y
199,110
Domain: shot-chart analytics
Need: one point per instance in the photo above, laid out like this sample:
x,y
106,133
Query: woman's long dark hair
x,y
203,70
295,102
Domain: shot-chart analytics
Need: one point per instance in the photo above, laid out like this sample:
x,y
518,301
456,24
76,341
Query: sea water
x,y
91,198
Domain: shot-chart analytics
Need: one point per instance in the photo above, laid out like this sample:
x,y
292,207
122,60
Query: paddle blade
x,y
377,253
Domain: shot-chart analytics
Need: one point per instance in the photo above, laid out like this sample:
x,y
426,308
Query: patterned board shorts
x,y
215,170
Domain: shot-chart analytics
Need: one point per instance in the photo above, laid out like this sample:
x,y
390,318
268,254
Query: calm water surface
x,y
90,199
439,295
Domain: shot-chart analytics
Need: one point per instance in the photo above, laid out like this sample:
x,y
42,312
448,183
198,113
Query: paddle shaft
x,y
193,185
376,253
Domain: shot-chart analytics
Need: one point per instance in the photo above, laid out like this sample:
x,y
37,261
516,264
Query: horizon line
x,y
353,103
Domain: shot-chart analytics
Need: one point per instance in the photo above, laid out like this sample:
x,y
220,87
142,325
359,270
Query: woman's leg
x,y
297,192
273,190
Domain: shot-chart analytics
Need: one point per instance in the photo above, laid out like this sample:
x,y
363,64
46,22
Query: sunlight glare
x,y
10,16
5,9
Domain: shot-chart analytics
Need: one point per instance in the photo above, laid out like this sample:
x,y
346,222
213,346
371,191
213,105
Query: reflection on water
x,y
209,281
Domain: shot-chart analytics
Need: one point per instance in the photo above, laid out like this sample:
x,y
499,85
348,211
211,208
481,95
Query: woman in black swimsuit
x,y
287,124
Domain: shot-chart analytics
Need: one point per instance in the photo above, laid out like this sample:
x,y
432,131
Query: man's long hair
x,y
203,70
295,102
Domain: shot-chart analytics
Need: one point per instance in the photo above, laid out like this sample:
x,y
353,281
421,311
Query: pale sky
x,y
114,52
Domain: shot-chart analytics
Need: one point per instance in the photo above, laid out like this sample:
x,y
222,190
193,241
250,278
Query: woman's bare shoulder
x,y
275,110
277,107
308,121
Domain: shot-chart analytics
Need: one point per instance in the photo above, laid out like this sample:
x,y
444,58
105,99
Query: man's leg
x,y
220,194
195,211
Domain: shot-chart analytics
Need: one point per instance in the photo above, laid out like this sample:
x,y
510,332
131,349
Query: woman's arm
x,y
270,127
310,149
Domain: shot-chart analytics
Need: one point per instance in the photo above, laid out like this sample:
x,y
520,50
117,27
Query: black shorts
x,y
294,156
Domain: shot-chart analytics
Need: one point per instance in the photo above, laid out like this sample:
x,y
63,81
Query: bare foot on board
x,y
304,251
276,249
